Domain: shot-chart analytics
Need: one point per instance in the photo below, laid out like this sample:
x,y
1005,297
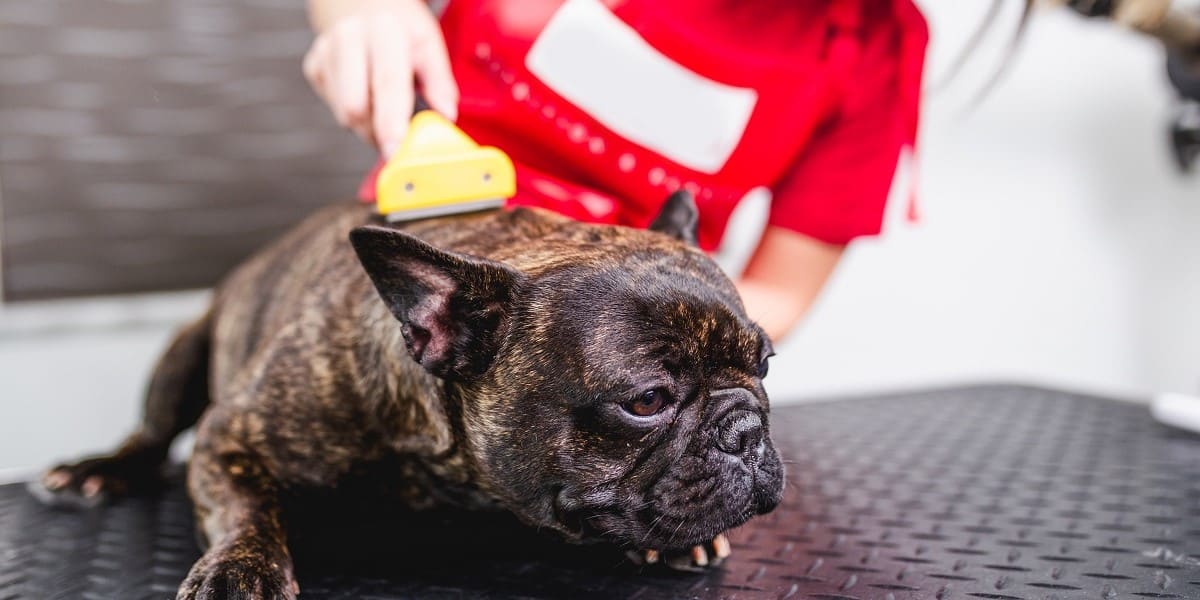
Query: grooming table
x,y
991,492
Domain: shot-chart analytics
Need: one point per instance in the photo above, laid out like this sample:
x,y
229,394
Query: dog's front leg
x,y
238,515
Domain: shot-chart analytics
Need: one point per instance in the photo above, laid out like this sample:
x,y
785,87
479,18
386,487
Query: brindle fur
x,y
303,382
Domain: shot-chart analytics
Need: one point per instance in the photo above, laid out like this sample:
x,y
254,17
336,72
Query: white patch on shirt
x,y
587,55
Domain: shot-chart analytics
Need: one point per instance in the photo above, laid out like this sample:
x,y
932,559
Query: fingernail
x,y
389,149
55,479
91,486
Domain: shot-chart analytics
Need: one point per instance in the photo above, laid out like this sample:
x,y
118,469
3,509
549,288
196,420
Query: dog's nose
x,y
740,431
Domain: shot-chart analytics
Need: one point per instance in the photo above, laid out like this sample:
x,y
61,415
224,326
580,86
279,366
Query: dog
x,y
603,383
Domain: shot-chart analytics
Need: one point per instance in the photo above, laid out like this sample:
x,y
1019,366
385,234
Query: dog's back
x,y
309,282
304,282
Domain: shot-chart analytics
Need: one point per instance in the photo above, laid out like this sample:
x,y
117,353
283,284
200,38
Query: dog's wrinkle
x,y
598,496
709,488
577,518
646,456
700,492
696,476
715,494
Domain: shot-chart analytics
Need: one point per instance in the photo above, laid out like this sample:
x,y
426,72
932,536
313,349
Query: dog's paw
x,y
94,481
233,575
697,559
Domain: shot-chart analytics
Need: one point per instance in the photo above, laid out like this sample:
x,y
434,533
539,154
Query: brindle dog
x,y
601,382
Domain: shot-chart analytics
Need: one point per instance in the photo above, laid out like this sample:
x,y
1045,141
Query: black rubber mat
x,y
987,492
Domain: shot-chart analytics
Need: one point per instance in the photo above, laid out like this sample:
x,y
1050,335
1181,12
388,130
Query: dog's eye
x,y
646,404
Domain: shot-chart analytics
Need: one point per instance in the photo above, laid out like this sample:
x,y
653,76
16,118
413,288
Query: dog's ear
x,y
452,307
679,217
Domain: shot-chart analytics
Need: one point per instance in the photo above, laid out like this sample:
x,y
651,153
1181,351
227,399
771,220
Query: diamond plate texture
x,y
995,492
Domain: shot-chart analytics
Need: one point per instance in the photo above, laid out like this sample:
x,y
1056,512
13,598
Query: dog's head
x,y
608,380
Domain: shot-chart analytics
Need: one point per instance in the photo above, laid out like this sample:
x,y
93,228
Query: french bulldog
x,y
600,382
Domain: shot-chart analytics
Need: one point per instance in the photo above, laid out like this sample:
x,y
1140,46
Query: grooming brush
x,y
439,170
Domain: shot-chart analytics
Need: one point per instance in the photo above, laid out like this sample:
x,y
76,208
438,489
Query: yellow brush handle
x,y
438,164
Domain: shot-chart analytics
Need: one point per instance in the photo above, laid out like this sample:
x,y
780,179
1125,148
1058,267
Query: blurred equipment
x,y
439,170
1184,71
1177,410
1176,29
1179,31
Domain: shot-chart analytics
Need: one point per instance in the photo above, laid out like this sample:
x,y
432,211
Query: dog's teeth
x,y
651,556
721,546
699,556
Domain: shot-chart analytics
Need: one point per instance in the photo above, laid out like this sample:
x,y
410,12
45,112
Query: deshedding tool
x,y
439,170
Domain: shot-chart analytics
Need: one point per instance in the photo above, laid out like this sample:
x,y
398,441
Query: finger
x,y
348,77
431,65
391,89
313,66
365,132
319,73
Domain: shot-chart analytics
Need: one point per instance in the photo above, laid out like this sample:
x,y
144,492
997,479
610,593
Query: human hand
x,y
364,61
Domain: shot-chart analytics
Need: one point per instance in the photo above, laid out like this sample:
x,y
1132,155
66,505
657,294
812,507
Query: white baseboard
x,y
48,317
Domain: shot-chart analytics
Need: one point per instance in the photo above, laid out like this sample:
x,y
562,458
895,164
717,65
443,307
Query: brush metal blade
x,y
428,212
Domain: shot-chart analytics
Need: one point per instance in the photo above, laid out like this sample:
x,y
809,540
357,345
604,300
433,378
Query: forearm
x,y
776,312
324,13
784,278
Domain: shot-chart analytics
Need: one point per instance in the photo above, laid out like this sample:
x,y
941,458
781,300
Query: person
x,y
608,106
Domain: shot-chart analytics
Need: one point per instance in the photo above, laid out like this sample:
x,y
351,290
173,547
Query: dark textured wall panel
x,y
151,144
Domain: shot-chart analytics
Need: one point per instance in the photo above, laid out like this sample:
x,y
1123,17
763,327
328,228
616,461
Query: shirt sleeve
x,y
837,188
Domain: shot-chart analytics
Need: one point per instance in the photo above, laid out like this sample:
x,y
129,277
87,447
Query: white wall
x,y
72,373
1058,246
1058,243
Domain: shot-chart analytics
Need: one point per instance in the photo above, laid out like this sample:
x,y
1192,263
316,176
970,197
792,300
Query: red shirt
x,y
812,99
